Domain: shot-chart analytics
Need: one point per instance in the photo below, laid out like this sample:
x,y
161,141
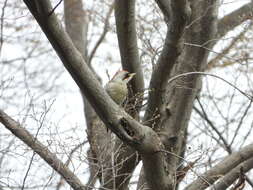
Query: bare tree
x,y
153,128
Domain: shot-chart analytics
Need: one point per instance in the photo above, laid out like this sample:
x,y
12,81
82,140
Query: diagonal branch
x,y
204,115
70,156
234,19
214,62
76,22
140,137
230,178
73,61
41,150
226,165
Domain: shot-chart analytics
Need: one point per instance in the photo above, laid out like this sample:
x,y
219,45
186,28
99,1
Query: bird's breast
x,y
117,91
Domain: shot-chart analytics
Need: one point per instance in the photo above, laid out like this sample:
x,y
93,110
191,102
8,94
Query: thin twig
x,y
42,119
213,62
60,183
205,116
240,122
51,12
100,40
213,75
183,159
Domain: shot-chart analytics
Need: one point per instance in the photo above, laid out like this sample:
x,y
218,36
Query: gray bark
x,y
222,168
179,103
141,138
235,18
234,174
76,23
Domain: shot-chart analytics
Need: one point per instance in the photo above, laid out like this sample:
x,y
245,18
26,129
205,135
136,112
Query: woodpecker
x,y
117,86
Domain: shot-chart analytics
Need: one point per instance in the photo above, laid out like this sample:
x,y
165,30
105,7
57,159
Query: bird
x,y
117,86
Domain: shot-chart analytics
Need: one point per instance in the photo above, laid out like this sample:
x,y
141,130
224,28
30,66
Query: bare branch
x,y
234,19
76,23
55,7
41,150
73,61
140,137
226,165
225,143
230,177
70,156
42,117
171,50
213,75
102,37
214,62
127,40
204,115
239,126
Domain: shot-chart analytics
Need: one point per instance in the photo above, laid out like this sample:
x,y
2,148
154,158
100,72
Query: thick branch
x,y
165,7
126,32
73,61
171,50
181,94
230,178
41,150
76,22
222,168
234,19
140,137
126,158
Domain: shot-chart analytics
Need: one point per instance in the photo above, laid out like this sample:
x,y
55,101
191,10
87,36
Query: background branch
x,y
234,19
225,166
41,150
145,140
103,35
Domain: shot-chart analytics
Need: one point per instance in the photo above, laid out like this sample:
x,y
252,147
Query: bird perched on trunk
x,y
117,86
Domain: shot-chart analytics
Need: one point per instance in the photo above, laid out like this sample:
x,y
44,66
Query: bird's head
x,y
123,75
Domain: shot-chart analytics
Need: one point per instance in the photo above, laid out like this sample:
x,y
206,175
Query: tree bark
x,y
141,138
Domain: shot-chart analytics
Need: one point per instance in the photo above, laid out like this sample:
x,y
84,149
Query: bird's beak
x,y
130,76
